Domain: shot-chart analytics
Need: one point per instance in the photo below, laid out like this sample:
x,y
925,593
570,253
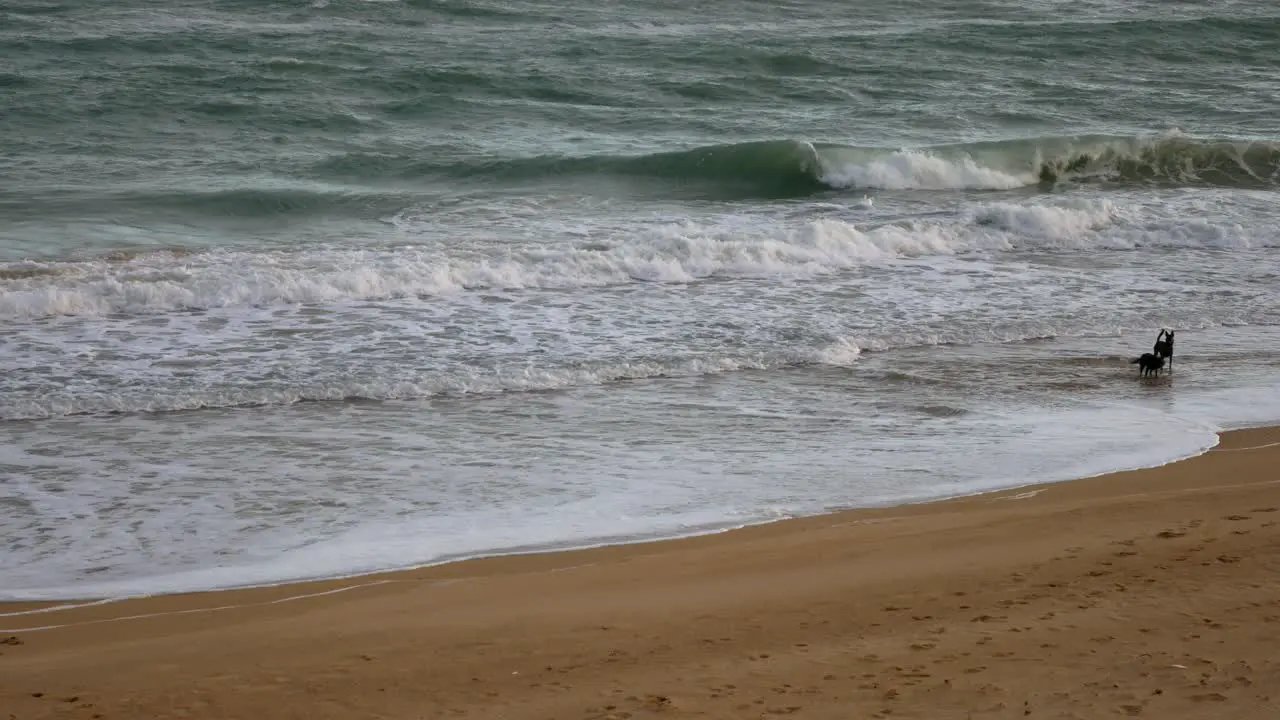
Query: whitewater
x,y
292,292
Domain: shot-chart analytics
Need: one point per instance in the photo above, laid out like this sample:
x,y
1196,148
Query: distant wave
x,y
781,168
365,184
253,202
249,201
13,80
791,168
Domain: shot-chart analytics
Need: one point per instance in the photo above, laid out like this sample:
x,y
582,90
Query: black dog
x,y
1164,346
1148,364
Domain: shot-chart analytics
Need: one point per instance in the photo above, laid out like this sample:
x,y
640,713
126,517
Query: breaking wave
x,y
1170,160
790,168
370,185
165,281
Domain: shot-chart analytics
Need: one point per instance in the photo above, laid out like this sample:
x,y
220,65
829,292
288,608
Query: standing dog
x,y
1148,364
1164,347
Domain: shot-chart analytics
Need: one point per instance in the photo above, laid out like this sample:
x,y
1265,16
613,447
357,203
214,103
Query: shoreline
x,y
1151,590
10,607
322,586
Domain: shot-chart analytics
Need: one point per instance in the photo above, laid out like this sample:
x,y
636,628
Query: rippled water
x,y
295,290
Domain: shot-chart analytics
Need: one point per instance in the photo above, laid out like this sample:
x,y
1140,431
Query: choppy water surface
x,y
293,290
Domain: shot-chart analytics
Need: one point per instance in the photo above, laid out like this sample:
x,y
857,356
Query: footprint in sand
x,y
658,702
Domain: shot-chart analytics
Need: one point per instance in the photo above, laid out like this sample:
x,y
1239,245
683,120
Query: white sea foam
x,y
382,487
154,502
453,381
1066,224
143,502
921,170
671,253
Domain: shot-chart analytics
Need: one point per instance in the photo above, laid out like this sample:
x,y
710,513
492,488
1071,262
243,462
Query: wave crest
x,y
794,168
1171,160
164,281
679,253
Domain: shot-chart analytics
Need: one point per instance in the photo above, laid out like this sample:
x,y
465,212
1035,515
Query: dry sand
x,y
1153,593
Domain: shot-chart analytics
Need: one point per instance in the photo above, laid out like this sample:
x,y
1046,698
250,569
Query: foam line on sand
x,y
1148,593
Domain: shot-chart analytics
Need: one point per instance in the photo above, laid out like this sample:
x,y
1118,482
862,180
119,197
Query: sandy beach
x,y
1153,593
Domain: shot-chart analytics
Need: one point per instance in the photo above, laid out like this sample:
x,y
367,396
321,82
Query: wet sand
x,y
1153,593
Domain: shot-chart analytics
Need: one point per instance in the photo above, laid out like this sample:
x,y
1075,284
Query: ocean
x,y
296,289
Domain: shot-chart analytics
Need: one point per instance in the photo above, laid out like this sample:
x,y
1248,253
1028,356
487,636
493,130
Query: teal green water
x,y
145,112
297,289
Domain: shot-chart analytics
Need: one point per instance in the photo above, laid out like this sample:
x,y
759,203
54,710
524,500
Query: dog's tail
x,y
1135,361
